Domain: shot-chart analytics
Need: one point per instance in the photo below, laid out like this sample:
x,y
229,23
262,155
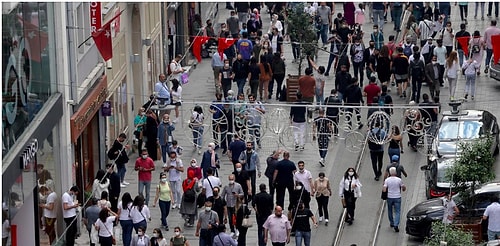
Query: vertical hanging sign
x,y
95,16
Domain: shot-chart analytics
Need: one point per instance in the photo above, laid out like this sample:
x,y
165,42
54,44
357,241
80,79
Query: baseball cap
x,y
395,158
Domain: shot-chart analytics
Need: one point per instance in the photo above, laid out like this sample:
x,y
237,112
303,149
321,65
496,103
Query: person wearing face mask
x,y
432,75
428,50
141,239
165,196
196,169
230,194
358,60
158,239
226,76
240,66
118,153
144,167
165,136
219,205
188,209
323,193
300,222
69,205
299,194
178,239
207,221
378,37
175,168
277,227
161,90
139,123
243,178
304,176
349,191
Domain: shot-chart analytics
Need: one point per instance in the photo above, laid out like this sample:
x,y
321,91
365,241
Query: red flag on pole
x,y
102,39
495,41
464,43
36,38
224,43
197,42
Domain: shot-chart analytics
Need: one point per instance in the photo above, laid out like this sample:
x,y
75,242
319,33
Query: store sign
x,y
29,154
95,16
89,108
106,108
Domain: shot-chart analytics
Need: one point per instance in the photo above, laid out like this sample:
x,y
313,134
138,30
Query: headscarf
x,y
188,183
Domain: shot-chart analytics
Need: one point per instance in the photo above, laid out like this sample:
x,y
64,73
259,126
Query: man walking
x,y
263,206
304,176
242,178
325,14
165,137
207,220
417,70
492,214
399,168
283,178
394,186
376,146
278,227
118,153
91,216
272,161
69,213
235,148
323,128
145,166
298,121
114,187
432,75
492,30
250,162
231,192
175,169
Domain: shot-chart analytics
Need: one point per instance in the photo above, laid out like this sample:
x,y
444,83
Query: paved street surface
x,y
200,89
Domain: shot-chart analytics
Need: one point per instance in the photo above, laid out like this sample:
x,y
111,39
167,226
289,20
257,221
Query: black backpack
x,y
190,195
372,145
416,69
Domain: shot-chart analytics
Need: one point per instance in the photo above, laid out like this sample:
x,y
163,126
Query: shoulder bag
x,y
113,239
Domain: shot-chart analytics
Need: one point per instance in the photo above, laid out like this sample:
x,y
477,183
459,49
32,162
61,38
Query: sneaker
x,y
122,185
296,148
126,183
486,69
301,148
472,97
320,218
326,222
322,163
174,121
396,229
178,206
166,228
466,95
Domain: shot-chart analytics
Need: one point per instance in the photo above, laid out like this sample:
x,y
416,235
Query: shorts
x,y
401,78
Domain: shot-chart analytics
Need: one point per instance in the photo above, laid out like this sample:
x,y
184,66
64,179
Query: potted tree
x,y
303,35
448,234
471,169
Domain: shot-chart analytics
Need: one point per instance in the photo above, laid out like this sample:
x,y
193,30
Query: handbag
x,y
185,78
247,222
94,235
384,195
113,239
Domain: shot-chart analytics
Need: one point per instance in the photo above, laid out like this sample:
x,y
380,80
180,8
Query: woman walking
x,y
395,142
349,191
278,67
196,125
105,226
476,49
124,208
188,208
141,239
451,72
176,97
242,212
265,76
471,68
158,239
164,194
140,213
323,193
178,239
101,183
253,76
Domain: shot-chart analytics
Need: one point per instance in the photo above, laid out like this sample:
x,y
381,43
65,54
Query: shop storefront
x,y
86,135
31,110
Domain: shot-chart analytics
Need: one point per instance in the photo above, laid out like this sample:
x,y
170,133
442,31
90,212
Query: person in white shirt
x,y
69,213
451,72
49,212
124,216
210,183
140,213
394,186
105,226
471,68
450,209
175,169
492,214
304,176
176,68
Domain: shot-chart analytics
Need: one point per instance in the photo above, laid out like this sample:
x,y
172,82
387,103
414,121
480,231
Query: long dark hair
x,y
175,84
139,202
198,109
253,61
396,130
100,176
103,215
265,63
346,174
160,234
126,199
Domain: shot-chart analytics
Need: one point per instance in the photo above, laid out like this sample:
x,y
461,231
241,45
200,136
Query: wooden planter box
x,y
292,86
470,224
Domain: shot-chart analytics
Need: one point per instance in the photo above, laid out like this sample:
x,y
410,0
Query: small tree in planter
x,y
447,233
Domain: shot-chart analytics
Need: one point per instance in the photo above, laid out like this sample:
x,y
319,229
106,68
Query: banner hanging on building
x,y
95,16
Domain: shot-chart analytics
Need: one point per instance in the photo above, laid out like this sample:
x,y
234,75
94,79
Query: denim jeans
x,y
416,88
394,209
460,57
492,235
378,18
127,227
470,84
358,68
175,186
164,152
143,223
393,151
142,185
299,130
207,238
489,53
398,11
324,33
319,98
164,210
121,172
198,136
299,235
241,84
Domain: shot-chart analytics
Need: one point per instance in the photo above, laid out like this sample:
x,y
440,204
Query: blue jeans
x,y
378,18
489,53
127,227
164,210
493,234
142,185
358,68
460,57
394,203
164,152
319,98
393,151
198,136
143,223
299,235
121,172
324,33
241,84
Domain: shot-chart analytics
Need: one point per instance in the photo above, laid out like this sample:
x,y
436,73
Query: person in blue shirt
x,y
376,146
161,90
216,109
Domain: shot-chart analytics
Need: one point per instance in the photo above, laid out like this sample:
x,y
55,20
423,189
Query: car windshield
x,y
441,174
454,130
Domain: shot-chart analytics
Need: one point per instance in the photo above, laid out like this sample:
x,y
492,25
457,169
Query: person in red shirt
x,y
371,90
307,86
145,166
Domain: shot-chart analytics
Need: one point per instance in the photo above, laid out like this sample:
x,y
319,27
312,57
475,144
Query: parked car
x,y
495,70
463,125
436,183
420,217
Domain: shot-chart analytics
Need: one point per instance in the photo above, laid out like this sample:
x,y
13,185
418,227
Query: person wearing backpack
x,y
476,49
465,35
188,208
400,169
376,149
408,47
417,77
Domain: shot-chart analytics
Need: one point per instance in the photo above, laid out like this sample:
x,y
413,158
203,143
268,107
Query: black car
x,y
421,216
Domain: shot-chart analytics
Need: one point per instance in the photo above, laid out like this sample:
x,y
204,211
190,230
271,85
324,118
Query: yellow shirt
x,y
164,191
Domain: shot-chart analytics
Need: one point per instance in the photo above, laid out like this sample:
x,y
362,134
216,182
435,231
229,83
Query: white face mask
x,y
298,187
434,62
155,234
165,121
193,164
265,46
208,209
177,233
163,180
238,169
351,173
231,182
144,156
140,233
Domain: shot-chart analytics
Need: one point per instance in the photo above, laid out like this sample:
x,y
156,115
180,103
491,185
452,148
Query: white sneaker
x,y
122,185
173,206
320,218
326,220
179,206
126,183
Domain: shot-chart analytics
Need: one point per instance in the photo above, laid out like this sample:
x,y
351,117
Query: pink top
x,y
490,31
277,227
359,16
